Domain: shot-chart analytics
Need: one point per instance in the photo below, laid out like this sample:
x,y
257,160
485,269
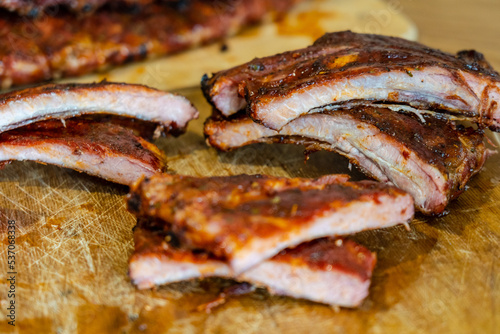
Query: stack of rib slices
x,y
286,235
100,128
389,105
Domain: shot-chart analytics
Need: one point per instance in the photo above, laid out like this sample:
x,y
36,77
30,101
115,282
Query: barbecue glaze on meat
x,y
431,160
246,219
62,45
106,150
21,107
344,66
330,271
33,8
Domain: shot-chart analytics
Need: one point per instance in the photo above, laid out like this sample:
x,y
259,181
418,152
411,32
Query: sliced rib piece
x,y
432,160
36,7
21,107
65,44
246,219
345,66
105,150
330,271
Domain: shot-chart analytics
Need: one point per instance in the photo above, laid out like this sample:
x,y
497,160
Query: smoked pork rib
x,y
21,107
330,271
345,66
246,219
159,258
105,150
50,47
431,160
33,8
36,7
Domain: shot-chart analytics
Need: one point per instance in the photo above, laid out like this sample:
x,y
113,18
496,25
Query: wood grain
x,y
74,238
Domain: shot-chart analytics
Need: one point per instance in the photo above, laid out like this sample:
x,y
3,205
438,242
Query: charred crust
x,y
475,61
206,88
134,202
144,22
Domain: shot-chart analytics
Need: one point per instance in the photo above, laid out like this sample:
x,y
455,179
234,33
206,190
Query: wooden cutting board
x,y
74,236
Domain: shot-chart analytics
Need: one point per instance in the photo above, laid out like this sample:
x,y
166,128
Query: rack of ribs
x,y
388,104
34,8
63,44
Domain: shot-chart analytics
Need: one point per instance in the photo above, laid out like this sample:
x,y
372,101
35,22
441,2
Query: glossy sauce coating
x,y
65,44
331,254
34,8
210,213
